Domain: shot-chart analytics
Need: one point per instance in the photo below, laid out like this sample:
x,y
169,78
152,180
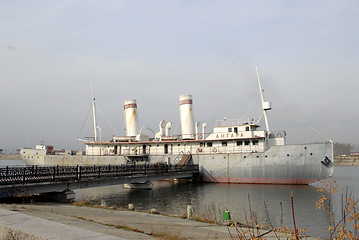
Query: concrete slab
x,y
130,224
39,228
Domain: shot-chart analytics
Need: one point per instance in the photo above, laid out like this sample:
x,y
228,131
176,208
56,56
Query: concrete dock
x,y
66,221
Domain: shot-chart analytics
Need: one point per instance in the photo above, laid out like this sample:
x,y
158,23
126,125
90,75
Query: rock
x,y
103,203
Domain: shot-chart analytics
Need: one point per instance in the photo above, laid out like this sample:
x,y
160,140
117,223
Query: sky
x,y
154,51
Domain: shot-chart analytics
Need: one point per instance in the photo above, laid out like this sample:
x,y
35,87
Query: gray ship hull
x,y
287,164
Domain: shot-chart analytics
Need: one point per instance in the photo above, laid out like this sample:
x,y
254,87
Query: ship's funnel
x,y
187,116
131,121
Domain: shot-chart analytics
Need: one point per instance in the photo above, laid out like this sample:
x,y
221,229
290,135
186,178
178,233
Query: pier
x,y
22,181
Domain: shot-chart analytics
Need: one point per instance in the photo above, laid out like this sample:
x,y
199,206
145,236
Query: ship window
x,y
201,145
287,155
115,150
235,129
209,144
224,144
179,144
255,142
143,149
247,128
229,129
239,143
247,142
166,149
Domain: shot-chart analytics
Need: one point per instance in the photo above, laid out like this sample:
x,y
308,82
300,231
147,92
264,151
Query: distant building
x,y
355,154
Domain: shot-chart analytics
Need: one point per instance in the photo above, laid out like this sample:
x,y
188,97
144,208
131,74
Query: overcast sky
x,y
155,51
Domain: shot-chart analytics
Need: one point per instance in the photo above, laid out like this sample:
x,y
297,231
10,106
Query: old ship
x,y
236,151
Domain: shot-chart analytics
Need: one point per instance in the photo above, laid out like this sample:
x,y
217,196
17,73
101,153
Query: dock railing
x,y
36,174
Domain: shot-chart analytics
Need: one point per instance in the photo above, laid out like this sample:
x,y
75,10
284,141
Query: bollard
x,y
154,211
190,212
131,207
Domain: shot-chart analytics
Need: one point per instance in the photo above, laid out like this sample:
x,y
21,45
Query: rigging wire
x,y
253,102
305,122
108,122
85,122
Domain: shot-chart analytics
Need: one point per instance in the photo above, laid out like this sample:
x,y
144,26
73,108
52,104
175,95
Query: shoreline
x,y
123,223
10,156
346,161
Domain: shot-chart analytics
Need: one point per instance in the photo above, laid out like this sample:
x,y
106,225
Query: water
x,y
173,197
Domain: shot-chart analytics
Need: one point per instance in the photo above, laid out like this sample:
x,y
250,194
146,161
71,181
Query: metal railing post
x,y
54,173
23,179
80,167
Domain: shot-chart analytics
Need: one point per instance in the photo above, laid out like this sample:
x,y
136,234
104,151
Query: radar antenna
x,y
265,105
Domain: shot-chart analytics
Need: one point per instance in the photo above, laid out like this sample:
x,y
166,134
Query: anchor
x,y
326,162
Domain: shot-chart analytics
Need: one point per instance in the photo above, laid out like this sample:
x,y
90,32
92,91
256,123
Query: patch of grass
x,y
13,235
166,235
128,228
204,219
82,204
14,207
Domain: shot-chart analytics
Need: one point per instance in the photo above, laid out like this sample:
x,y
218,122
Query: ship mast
x,y
265,105
94,113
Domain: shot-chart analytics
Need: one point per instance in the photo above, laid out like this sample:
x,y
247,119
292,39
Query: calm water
x,y
173,198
